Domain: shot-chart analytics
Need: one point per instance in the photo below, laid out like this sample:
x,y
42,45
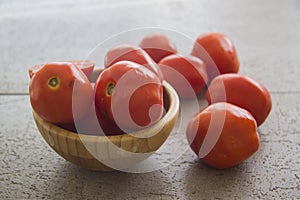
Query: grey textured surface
x,y
266,35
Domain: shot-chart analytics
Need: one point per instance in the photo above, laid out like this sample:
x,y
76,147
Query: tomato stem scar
x,y
110,88
53,83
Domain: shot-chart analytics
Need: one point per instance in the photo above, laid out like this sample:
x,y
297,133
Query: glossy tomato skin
x,y
158,46
237,140
86,66
126,91
222,52
52,88
192,70
242,91
131,53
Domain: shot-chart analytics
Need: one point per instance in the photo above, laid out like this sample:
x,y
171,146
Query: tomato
x,y
34,69
108,127
242,91
130,95
85,65
223,135
94,122
131,53
187,74
52,88
158,46
222,52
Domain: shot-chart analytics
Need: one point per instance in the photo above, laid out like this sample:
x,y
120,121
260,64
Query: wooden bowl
x,y
117,152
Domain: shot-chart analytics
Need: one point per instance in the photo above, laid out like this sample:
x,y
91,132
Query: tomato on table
x,y
187,74
58,90
242,91
130,95
131,53
158,46
222,52
223,135
86,66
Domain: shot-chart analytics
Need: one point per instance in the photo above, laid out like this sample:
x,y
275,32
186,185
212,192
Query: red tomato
x,y
130,95
222,52
158,46
85,65
94,123
242,91
131,53
34,69
52,88
108,127
223,135
187,74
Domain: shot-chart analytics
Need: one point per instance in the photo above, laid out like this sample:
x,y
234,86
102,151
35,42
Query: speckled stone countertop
x,y
266,35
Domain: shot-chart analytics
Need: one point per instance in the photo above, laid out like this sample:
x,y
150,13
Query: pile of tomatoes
x,y
128,94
